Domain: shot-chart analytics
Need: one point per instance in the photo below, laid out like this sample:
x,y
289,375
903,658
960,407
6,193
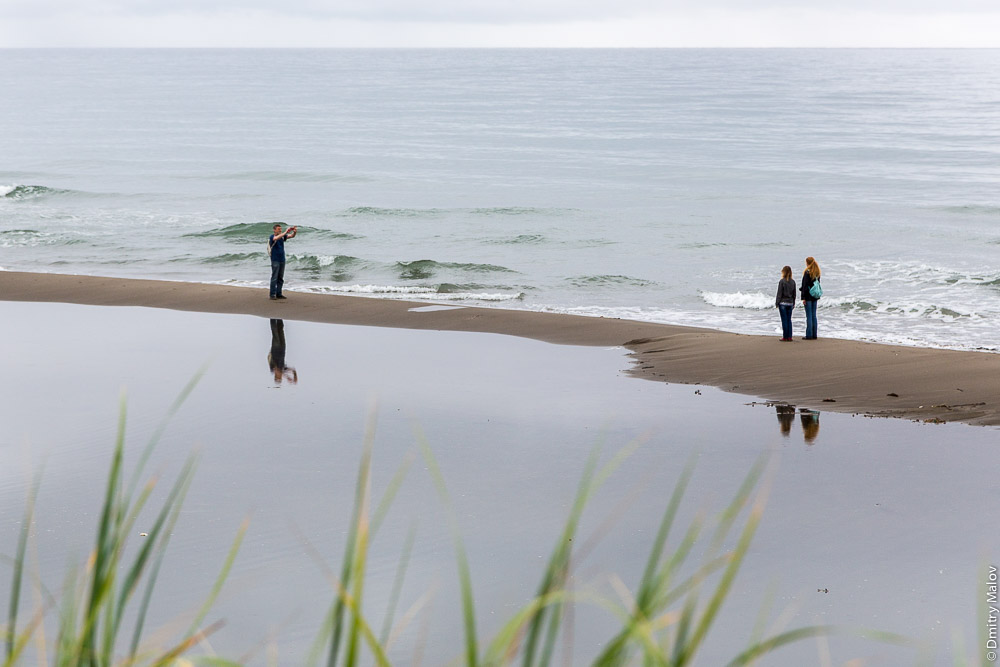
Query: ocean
x,y
660,185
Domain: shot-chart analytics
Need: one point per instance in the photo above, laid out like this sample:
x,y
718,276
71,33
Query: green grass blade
x,y
322,637
213,661
656,577
397,585
336,619
660,541
730,514
364,630
171,656
17,579
359,567
20,642
683,628
777,641
771,643
221,578
465,578
729,574
390,493
102,578
174,502
556,565
504,643
68,640
171,507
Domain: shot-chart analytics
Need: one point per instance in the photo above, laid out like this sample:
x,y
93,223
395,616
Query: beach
x,y
828,374
514,268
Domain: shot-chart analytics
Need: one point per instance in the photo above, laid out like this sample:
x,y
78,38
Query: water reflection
x,y
786,417
276,357
810,425
808,418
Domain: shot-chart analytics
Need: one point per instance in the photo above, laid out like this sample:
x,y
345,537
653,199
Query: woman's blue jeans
x,y
811,326
786,320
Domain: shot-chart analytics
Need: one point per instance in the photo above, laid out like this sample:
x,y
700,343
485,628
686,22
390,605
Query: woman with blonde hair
x,y
809,278
785,302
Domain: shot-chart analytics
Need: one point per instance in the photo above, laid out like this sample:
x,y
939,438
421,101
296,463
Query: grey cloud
x,y
466,11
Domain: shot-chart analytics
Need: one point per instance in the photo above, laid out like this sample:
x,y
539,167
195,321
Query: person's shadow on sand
x,y
808,418
276,357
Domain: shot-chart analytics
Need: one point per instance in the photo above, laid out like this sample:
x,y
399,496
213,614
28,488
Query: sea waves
x,y
28,238
25,192
413,292
427,268
258,232
903,307
444,292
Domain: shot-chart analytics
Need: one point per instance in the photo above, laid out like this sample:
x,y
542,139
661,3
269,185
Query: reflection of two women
x,y
276,357
808,418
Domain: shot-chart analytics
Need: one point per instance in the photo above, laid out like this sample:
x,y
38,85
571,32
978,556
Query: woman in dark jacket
x,y
785,301
810,276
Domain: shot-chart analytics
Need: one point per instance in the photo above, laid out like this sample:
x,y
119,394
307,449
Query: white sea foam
x,y
749,300
322,260
405,292
402,292
6,190
17,238
433,309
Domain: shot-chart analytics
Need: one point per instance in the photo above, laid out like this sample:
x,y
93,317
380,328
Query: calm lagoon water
x,y
892,518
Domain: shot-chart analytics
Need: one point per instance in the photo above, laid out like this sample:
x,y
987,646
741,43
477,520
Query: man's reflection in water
x,y
808,418
276,357
786,417
810,425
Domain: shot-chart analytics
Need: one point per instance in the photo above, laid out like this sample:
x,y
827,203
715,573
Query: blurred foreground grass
x,y
663,620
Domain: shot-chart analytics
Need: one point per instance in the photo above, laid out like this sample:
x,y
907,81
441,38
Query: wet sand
x,y
828,374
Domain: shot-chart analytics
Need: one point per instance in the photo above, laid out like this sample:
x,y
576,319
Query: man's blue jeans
x,y
786,320
277,277
811,326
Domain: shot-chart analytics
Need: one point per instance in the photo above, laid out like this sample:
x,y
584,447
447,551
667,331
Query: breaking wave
x,y
748,300
379,212
608,281
520,239
258,232
409,292
427,268
913,309
231,258
22,192
22,238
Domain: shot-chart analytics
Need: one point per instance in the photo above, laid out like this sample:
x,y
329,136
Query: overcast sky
x,y
446,23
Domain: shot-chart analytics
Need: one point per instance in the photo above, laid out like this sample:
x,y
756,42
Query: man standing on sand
x,y
276,249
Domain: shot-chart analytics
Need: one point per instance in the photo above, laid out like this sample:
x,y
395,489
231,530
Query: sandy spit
x,y
826,374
